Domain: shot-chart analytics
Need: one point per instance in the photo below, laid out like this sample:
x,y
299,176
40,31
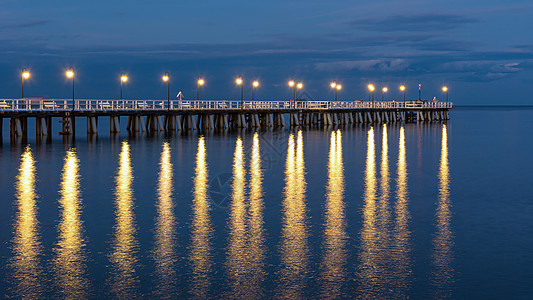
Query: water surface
x,y
391,211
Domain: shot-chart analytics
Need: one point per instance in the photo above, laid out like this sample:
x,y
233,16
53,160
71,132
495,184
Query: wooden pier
x,y
162,115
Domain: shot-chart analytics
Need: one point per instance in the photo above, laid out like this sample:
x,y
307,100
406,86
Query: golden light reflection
x,y
237,258
165,229
70,261
335,237
201,228
443,275
124,281
256,242
294,233
402,250
245,243
369,266
27,249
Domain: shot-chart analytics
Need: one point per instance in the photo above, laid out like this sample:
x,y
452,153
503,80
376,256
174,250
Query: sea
x,y
390,211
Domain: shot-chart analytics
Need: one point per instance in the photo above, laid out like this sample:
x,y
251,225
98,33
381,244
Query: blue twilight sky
x,y
481,49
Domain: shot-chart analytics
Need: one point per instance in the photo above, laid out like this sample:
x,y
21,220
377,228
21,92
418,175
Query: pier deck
x,y
163,115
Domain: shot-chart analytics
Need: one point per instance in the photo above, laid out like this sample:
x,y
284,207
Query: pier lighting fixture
x,y
292,84
371,89
445,89
383,91
199,83
254,85
239,81
300,86
25,75
333,85
402,88
70,74
166,78
123,78
336,87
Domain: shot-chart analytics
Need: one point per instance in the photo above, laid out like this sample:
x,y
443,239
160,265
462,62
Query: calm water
x,y
438,210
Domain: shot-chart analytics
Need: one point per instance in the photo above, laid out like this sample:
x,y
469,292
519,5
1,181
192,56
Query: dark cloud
x,y
412,23
26,24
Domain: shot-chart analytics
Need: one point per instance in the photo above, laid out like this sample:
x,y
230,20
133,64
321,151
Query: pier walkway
x,y
163,115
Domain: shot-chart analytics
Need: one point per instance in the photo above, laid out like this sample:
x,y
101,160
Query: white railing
x,y
183,105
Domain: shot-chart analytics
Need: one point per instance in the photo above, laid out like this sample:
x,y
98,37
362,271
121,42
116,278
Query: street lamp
x,y
199,83
25,75
383,91
123,78
333,85
293,85
338,88
239,81
166,78
70,74
254,85
402,88
300,86
371,89
445,89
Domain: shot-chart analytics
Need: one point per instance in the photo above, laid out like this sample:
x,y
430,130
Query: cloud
x,y
381,65
32,23
412,23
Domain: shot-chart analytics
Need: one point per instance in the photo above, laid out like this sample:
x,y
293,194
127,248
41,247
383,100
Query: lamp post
x,y
419,92
383,91
402,88
25,75
333,85
445,89
240,82
371,89
70,74
254,85
199,83
166,78
123,78
300,86
293,85
338,88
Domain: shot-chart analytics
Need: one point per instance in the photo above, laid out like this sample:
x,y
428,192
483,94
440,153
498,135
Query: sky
x,y
481,49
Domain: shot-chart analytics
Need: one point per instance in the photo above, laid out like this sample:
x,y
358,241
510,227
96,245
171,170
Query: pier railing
x,y
184,105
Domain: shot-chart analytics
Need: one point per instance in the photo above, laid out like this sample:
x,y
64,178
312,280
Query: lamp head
x,y
255,83
291,83
333,85
69,73
402,88
339,87
238,81
201,81
300,85
25,74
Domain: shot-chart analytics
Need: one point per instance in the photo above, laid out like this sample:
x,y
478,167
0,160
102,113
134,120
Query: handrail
x,y
103,105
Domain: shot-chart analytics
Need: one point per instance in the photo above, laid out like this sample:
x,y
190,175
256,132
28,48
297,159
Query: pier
x,y
181,115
